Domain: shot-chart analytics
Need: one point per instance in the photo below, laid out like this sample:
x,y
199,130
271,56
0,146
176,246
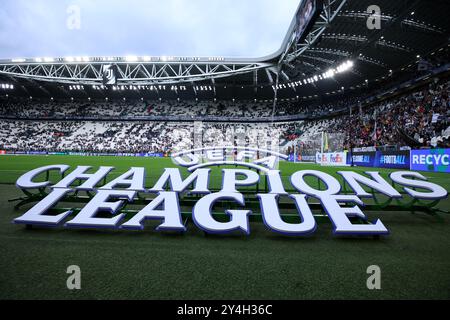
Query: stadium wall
x,y
428,160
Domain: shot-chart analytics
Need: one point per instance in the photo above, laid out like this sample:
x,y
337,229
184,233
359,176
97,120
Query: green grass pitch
x,y
414,259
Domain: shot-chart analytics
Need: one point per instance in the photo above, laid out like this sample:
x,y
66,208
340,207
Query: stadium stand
x,y
419,118
21,108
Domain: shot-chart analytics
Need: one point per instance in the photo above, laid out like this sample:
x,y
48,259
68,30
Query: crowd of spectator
x,y
419,119
416,119
22,108
135,137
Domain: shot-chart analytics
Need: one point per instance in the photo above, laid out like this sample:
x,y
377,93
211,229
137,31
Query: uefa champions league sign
x,y
170,187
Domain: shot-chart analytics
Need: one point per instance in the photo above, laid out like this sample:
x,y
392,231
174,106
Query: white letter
x,y
275,183
272,218
374,19
136,182
35,214
170,214
374,281
269,162
173,176
204,220
86,216
354,180
74,281
298,181
74,18
79,174
437,192
26,181
193,157
215,155
245,155
230,180
339,216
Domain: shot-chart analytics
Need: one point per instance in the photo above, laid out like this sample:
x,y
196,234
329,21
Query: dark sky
x,y
229,28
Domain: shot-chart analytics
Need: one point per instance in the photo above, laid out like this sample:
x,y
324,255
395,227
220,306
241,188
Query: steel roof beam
x,y
128,74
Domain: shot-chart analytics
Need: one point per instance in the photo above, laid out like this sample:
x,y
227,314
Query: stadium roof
x,y
409,31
